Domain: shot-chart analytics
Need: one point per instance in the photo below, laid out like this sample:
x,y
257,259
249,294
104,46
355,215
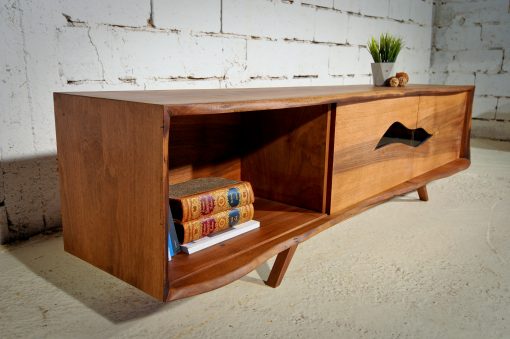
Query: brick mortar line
x,y
359,14
133,80
488,120
285,40
154,29
218,35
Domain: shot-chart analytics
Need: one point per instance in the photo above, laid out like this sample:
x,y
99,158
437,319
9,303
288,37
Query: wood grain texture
x,y
282,227
280,266
443,117
359,169
165,206
286,147
202,146
214,101
113,184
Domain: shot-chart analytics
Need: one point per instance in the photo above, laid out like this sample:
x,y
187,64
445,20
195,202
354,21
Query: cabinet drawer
x,y
361,169
443,117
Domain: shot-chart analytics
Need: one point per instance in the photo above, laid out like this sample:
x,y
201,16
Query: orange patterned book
x,y
196,229
201,197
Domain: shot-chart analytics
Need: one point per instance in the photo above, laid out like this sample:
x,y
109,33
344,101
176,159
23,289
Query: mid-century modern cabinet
x,y
314,156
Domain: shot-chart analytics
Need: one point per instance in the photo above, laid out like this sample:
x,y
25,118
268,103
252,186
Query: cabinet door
x,y
443,117
361,167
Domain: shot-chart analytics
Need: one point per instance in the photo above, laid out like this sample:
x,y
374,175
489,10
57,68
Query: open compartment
x,y
282,153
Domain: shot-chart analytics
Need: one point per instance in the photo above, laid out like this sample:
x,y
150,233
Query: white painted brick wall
x,y
506,61
365,59
485,107
488,61
273,59
495,35
493,84
272,19
359,28
476,12
176,14
342,59
453,78
321,3
114,12
72,45
377,8
421,12
330,26
400,10
458,37
503,109
351,6
14,91
77,60
472,45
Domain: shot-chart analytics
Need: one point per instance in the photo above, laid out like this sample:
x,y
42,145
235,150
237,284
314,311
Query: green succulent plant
x,y
386,49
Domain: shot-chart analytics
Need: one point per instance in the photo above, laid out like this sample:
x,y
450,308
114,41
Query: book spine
x,y
173,243
196,229
204,204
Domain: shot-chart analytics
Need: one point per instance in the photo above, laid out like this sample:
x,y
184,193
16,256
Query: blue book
x,y
173,243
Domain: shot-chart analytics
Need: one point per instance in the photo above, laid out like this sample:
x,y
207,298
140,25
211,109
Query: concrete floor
x,y
404,269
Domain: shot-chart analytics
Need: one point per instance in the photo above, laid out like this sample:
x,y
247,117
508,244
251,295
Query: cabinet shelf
x,y
238,256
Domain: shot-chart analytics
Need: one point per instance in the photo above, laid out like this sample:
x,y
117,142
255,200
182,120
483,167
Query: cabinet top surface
x,y
210,101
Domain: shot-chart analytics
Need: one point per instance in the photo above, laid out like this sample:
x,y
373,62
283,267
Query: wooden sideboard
x,y
314,156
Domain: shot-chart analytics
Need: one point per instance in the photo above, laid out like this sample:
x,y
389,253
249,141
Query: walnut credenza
x,y
314,156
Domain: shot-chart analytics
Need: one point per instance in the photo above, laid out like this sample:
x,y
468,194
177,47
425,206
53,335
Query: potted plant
x,y
384,52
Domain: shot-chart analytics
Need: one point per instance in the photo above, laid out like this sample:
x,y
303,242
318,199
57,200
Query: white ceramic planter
x,y
381,71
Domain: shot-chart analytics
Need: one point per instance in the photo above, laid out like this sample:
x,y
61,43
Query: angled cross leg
x,y
422,193
280,267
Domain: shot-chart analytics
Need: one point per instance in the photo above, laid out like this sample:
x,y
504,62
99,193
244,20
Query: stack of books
x,y
207,211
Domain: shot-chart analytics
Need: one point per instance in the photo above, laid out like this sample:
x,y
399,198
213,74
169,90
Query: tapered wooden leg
x,y
422,193
280,267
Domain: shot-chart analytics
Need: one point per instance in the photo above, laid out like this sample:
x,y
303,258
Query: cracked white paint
x,y
71,45
97,54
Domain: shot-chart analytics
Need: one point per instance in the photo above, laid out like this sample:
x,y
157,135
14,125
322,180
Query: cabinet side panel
x,y
361,169
465,150
444,118
113,180
285,155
